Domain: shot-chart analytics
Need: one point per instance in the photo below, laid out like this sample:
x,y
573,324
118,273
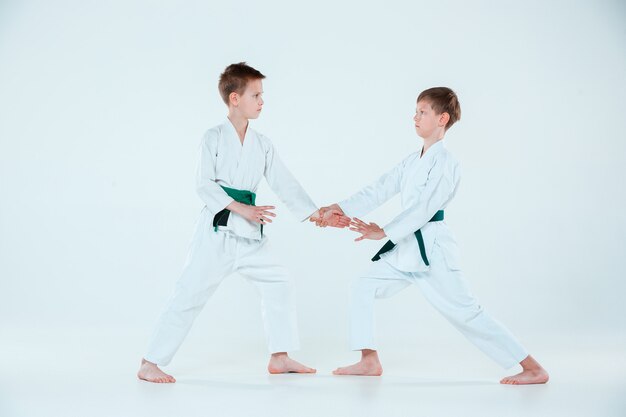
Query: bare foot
x,y
369,365
532,373
281,363
150,372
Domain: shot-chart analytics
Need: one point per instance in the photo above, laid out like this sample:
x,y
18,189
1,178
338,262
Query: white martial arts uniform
x,y
426,185
236,247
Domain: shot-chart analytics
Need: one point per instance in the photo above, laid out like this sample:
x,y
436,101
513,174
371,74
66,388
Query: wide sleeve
x,y
375,194
209,191
286,187
439,189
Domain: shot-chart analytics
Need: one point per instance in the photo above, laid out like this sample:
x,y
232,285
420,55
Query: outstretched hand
x,y
330,216
368,231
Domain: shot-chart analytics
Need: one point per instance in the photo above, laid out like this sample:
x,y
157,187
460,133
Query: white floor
x,y
52,373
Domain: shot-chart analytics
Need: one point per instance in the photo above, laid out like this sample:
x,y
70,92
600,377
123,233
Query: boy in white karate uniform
x,y
229,233
421,249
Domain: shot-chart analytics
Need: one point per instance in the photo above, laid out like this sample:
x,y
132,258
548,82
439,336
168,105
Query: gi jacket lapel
x,y
248,159
416,174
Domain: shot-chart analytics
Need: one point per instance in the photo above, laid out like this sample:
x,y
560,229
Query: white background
x,y
102,106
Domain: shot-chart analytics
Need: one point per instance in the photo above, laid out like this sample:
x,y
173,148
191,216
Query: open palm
x,y
367,230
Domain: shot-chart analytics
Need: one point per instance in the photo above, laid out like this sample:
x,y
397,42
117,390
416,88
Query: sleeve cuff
x,y
221,205
393,234
307,217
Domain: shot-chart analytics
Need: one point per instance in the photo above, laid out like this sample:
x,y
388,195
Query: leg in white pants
x,y
277,296
212,257
447,291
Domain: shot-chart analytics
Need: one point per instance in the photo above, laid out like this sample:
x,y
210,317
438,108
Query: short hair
x,y
235,78
443,100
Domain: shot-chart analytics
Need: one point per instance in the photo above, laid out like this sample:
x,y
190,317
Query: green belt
x,y
240,196
420,241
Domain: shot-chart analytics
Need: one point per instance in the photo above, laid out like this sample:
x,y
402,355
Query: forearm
x,y
413,218
359,204
374,195
408,222
213,196
236,207
369,198
286,187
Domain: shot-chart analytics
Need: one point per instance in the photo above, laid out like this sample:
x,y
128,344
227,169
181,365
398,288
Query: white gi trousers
x,y
447,291
212,257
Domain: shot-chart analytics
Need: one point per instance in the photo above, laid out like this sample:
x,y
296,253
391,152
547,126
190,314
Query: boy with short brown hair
x,y
229,235
421,249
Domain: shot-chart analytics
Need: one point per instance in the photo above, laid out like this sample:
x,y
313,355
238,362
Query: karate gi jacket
x,y
225,161
426,185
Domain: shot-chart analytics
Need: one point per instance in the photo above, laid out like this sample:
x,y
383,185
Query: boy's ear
x,y
444,119
233,98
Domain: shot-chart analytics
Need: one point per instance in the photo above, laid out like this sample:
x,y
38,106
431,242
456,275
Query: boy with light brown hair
x,y
230,235
421,249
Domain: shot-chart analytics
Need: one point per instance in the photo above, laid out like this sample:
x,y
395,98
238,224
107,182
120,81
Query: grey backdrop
x,y
102,106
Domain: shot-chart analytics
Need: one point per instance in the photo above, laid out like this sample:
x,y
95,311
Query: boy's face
x,y
250,103
427,122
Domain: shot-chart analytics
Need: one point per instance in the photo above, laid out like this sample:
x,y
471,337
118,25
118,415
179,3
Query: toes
x,y
157,379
